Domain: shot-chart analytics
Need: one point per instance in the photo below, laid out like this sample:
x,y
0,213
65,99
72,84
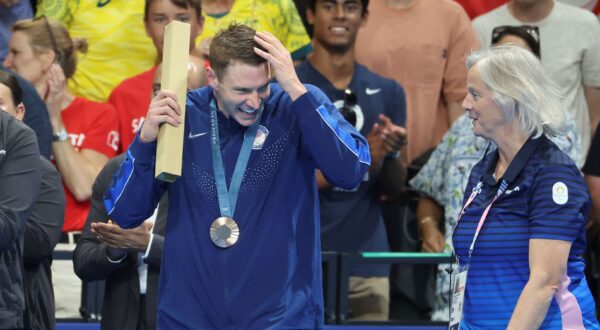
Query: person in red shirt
x,y
85,132
131,98
475,8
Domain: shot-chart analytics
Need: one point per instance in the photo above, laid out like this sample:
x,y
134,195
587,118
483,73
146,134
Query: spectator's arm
x,y
429,217
78,169
392,177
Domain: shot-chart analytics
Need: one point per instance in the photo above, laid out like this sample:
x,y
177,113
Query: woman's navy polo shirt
x,y
546,199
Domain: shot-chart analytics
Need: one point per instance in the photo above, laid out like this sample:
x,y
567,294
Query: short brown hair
x,y
46,34
234,44
184,4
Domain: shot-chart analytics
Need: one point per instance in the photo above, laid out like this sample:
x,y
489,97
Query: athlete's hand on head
x,y
281,63
163,109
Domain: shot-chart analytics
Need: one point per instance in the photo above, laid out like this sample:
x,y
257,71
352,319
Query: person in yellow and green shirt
x,y
118,45
279,17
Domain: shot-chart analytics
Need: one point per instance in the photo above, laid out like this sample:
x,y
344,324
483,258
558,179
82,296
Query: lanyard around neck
x,y
228,199
514,168
476,191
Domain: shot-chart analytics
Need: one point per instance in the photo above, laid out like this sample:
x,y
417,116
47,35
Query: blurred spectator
x,y
85,132
475,8
422,45
128,259
119,47
443,179
36,116
570,53
591,169
280,18
42,229
351,220
10,12
132,97
19,170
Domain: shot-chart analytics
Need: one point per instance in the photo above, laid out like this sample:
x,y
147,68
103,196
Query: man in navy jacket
x,y
257,265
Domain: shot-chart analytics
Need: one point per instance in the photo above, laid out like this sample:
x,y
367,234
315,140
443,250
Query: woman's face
x,y
22,60
488,118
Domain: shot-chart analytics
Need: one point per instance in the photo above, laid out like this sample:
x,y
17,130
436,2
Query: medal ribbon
x,y
228,199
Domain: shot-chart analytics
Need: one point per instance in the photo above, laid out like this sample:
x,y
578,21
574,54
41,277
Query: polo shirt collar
x,y
515,166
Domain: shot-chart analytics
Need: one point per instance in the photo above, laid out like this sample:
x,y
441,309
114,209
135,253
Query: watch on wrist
x,y
60,136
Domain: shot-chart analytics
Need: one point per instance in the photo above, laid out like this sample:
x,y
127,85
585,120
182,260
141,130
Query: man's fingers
x,y
263,54
166,99
385,120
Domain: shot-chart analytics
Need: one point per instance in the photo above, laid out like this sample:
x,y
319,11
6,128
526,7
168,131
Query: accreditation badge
x,y
224,232
458,297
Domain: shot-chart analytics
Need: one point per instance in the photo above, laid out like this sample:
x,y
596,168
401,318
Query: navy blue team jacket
x,y
271,278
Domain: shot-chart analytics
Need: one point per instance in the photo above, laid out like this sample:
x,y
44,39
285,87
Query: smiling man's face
x,y
241,91
336,23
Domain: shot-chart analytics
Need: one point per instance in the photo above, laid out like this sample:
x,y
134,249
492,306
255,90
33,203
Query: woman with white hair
x,y
521,231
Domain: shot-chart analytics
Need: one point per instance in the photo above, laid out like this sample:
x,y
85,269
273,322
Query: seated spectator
x,y
19,170
280,18
42,229
443,179
128,259
85,132
130,98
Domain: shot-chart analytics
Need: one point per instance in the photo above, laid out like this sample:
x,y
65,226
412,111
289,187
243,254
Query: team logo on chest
x,y
261,136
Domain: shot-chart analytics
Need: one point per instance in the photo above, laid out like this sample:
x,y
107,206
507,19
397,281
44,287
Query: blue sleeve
x,y
134,193
558,204
339,151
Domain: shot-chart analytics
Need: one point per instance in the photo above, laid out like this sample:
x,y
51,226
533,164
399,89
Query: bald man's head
x,y
196,77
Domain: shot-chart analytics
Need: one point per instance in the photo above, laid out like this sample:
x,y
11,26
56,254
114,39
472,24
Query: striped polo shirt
x,y
546,198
